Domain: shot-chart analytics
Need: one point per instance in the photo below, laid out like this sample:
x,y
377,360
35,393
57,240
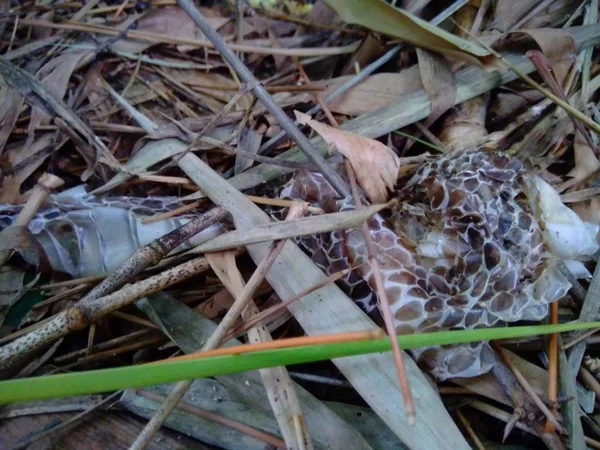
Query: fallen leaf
x,y
55,76
375,164
38,95
170,21
384,18
558,46
374,92
12,282
250,142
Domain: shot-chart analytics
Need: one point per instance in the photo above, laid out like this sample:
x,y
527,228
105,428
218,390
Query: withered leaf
x,y
375,164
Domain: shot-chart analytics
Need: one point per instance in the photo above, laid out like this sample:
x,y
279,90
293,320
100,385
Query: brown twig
x,y
526,386
40,193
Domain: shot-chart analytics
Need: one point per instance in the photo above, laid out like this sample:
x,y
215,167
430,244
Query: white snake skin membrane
x,y
83,235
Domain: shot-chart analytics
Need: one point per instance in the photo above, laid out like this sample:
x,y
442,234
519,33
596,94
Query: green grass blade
x,y
90,382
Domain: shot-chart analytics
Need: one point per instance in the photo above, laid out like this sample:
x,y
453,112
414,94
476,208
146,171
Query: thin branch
x,y
261,93
40,193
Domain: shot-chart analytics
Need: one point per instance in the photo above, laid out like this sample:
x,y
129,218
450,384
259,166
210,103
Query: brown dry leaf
x,y
370,49
216,305
376,165
375,92
586,161
487,386
26,160
55,76
558,46
9,192
170,21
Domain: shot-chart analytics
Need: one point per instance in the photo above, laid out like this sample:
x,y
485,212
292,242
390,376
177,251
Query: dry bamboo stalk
x,y
40,193
85,312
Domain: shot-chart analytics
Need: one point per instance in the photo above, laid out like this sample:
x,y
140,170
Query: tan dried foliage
x,y
375,164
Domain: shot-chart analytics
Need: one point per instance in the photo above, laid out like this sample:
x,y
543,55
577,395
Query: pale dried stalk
x,y
470,430
39,194
270,313
278,384
85,312
161,414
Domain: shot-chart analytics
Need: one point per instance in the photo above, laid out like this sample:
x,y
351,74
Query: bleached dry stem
x,y
39,194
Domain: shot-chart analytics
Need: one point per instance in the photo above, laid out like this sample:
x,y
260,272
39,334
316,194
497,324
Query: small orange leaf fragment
x,y
375,164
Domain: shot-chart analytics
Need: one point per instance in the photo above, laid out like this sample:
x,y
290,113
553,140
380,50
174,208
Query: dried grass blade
x,y
280,388
384,18
289,229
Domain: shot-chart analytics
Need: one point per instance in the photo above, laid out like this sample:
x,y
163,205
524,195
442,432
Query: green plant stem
x,y
105,380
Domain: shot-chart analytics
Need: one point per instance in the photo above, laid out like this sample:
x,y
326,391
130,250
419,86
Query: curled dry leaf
x,y
375,164
586,161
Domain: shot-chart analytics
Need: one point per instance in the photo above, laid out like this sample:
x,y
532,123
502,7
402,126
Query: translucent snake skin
x,y
462,248
466,245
